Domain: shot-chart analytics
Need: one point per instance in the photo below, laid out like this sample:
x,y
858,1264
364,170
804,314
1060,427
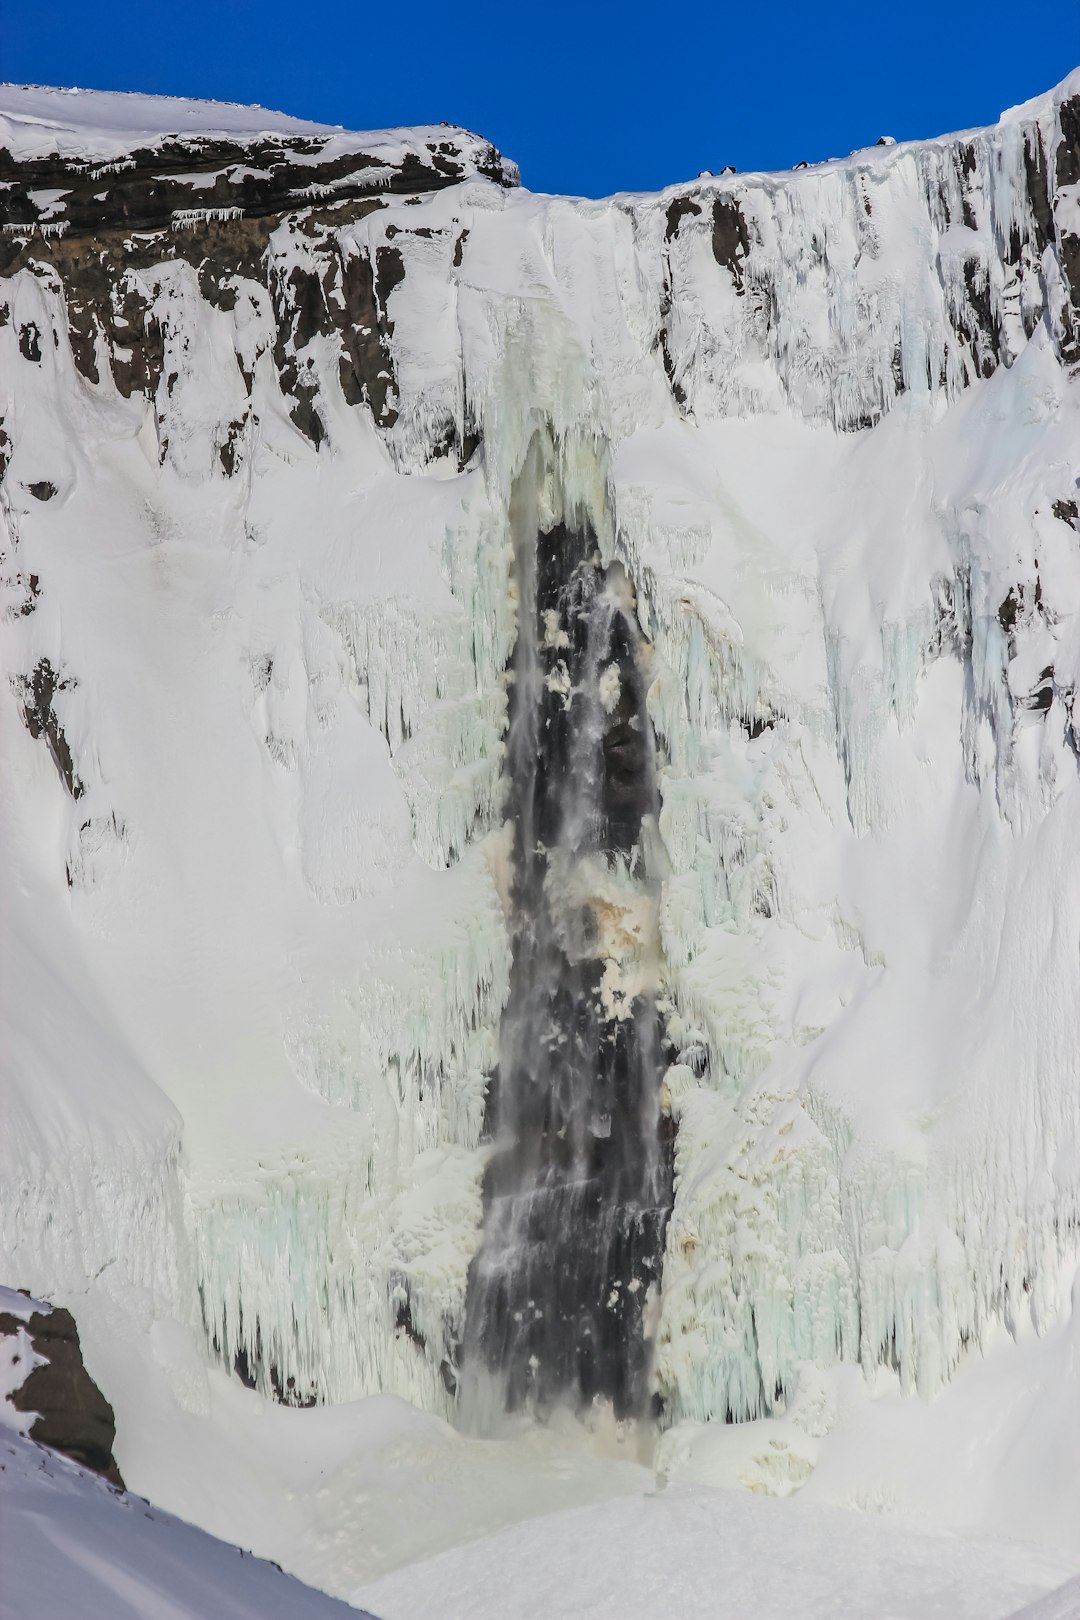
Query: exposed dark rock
x,y
470,443
730,240
1041,696
215,204
73,1415
405,1327
31,585
229,451
260,176
677,209
678,392
1009,611
1038,190
966,167
43,490
389,273
981,330
30,342
365,367
1067,173
404,1324
1069,255
1068,512
1067,158
37,693
730,245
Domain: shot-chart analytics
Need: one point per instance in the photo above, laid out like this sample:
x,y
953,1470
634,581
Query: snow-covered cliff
x,y
267,394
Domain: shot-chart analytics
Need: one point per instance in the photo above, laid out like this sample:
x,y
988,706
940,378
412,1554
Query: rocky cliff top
x,y
72,160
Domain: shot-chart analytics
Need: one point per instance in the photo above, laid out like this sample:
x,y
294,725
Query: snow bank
x,y
70,1544
716,1554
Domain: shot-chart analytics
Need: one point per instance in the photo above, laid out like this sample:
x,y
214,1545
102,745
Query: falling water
x,y
579,1185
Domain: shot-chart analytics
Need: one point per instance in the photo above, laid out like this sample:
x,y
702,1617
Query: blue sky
x,y
587,98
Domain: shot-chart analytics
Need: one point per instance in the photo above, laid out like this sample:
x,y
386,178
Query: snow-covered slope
x,y
72,1545
711,1557
100,126
267,395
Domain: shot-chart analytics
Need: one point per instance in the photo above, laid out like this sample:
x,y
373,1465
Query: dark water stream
x,y
579,1185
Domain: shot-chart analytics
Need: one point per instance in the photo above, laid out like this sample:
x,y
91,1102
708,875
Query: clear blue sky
x,y
588,98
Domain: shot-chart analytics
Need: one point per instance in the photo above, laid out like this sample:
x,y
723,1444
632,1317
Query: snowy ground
x,y
715,1555
392,1508
483,1531
73,1548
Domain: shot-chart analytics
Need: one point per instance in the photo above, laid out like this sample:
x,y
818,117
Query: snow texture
x,y
104,127
18,1358
72,1545
705,1554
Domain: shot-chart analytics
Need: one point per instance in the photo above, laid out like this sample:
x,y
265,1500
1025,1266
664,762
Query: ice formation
x,y
260,443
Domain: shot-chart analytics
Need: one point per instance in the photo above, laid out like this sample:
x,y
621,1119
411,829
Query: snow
x,y
338,1495
1059,1605
252,977
394,1510
70,1544
44,117
21,1306
104,127
720,1555
18,1358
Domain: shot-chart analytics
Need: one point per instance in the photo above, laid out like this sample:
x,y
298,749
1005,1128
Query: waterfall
x,y
578,1187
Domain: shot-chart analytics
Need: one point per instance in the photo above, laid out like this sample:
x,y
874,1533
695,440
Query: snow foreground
x,y
267,393
709,1557
72,1545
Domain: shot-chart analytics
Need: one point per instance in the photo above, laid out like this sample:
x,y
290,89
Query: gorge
x,y
539,820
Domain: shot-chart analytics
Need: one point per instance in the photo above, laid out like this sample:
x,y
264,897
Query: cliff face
x,y
122,204
268,392
835,290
